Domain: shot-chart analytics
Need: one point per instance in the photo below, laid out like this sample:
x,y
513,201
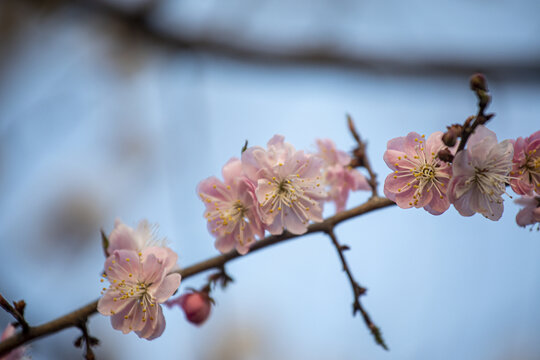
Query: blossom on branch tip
x,y
526,169
339,177
231,209
530,214
420,178
196,305
139,283
480,174
289,185
15,354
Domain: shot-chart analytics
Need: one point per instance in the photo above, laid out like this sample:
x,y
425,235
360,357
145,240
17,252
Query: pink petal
x,y
166,256
169,285
437,205
206,188
463,205
396,144
392,157
158,327
121,263
106,304
153,271
434,143
525,216
225,243
410,145
121,238
134,313
392,184
232,170
149,331
293,222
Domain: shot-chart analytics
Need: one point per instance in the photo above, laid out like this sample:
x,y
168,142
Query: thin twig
x,y
361,158
88,340
479,86
357,291
18,315
73,319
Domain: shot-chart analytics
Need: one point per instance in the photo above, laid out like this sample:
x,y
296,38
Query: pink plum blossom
x,y
231,209
143,237
196,305
289,186
530,214
139,283
339,177
420,178
15,354
480,175
526,170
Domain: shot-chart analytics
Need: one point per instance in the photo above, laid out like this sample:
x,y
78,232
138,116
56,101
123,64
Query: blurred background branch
x,y
138,18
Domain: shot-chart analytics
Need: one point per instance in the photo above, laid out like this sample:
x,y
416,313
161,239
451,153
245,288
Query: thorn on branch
x,y
17,311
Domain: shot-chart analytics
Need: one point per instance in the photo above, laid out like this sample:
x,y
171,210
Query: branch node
x,y
88,340
17,311
360,158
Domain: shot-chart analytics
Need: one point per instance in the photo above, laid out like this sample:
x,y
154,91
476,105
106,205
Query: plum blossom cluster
x,y
275,189
138,269
474,181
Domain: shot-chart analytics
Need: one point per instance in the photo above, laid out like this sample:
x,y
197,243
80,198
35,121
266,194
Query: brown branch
x,y
360,156
357,291
215,42
479,86
74,318
16,311
88,340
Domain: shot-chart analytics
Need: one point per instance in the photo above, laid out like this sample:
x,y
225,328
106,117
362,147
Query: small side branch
x,y
358,291
17,311
88,340
360,157
478,84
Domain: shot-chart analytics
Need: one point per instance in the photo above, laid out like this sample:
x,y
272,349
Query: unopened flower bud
x,y
478,82
196,306
451,135
445,155
449,138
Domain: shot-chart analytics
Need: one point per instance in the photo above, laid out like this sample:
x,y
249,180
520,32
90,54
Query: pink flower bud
x,y
196,306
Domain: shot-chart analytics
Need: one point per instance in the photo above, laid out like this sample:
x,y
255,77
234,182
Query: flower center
x,y
427,174
290,192
137,291
489,183
230,214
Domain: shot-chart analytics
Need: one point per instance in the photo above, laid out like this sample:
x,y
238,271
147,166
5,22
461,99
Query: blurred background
x,y
119,108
